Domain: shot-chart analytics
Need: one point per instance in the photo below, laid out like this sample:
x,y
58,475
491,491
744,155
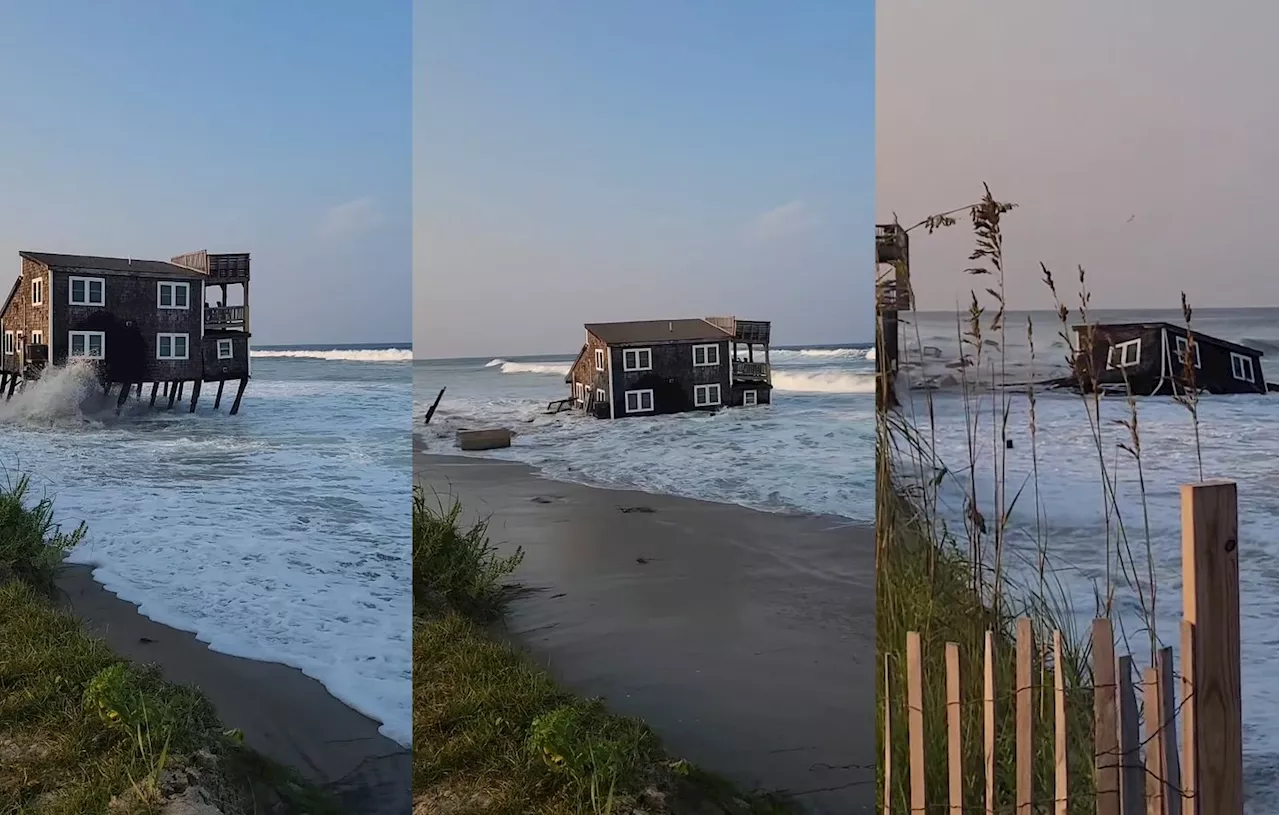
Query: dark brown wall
x,y
672,379
233,368
131,320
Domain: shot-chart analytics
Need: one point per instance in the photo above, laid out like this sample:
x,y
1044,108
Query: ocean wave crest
x,y
547,368
819,353
823,382
341,355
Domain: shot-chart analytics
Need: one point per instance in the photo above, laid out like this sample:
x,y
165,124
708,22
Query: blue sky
x,y
578,162
280,128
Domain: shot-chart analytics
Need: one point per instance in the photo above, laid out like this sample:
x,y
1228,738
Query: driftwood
x,y
431,410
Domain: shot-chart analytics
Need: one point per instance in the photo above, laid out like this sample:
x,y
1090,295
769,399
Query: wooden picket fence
x,y
1142,761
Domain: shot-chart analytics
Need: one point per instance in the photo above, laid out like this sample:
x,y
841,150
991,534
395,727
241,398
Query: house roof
x,y
656,331
1180,330
12,292
113,266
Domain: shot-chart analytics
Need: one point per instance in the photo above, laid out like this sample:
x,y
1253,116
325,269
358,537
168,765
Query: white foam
x,y
341,355
818,353
823,381
547,368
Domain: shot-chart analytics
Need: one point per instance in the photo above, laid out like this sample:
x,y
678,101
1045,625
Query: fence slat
x,y
888,740
1190,801
1133,773
1059,728
1154,742
1168,732
1023,746
954,769
915,720
989,721
1211,601
1105,750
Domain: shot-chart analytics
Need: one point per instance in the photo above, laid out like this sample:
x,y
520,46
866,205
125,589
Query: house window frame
x,y
706,389
600,358
87,335
755,398
639,394
706,361
37,288
88,288
1112,364
1245,366
230,346
601,396
10,343
37,338
648,356
173,286
172,357
1180,344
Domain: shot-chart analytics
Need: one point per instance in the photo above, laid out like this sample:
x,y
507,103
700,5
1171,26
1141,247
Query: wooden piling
x,y
431,410
235,406
182,387
139,390
123,397
217,399
1211,603
154,387
195,395
172,390
4,381
14,379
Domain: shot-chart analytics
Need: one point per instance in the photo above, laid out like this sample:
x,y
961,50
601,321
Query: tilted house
x,y
140,320
1151,359
670,366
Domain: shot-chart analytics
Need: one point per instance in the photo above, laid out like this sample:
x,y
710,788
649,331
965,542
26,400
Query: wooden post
x,y
1169,731
1059,728
431,410
915,721
1024,748
172,389
989,721
195,395
154,387
14,379
1132,771
182,387
123,397
4,382
1211,603
139,394
235,406
888,741
1151,721
1190,803
955,772
1105,752
217,399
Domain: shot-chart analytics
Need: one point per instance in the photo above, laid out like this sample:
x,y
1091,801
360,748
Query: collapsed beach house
x,y
139,321
1151,358
653,367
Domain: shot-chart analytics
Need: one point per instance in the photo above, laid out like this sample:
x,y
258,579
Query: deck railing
x,y
224,316
750,370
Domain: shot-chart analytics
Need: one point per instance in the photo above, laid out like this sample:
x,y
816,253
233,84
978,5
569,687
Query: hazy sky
x,y
279,128
578,162
1086,113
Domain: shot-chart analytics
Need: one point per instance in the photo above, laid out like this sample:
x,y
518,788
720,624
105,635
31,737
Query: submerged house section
x,y
140,321
651,367
1163,359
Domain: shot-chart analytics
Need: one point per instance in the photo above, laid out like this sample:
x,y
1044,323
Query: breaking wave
x,y
823,382
60,395
341,355
548,368
820,353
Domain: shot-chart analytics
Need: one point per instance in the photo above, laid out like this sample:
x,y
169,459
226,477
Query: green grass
x,y
83,731
494,733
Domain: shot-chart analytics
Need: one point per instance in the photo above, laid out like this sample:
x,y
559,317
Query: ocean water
x,y
811,451
1238,440
280,534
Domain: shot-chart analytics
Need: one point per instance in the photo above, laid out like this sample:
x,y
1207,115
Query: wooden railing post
x,y
1106,752
1211,603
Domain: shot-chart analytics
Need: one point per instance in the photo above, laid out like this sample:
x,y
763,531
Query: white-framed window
x,y
599,359
1242,367
37,291
601,395
172,346
225,349
706,355
578,389
173,295
637,359
37,338
750,398
10,343
1125,354
639,401
87,344
706,395
1180,351
87,291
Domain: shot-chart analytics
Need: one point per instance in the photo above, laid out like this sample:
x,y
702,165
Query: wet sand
x,y
746,639
284,714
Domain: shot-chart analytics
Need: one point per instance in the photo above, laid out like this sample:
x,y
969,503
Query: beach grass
x,y
952,584
495,734
83,731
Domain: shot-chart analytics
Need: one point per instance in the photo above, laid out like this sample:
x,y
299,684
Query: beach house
x,y
1152,359
653,367
140,321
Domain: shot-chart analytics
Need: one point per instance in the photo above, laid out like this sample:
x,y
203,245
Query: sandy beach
x,y
284,714
745,639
